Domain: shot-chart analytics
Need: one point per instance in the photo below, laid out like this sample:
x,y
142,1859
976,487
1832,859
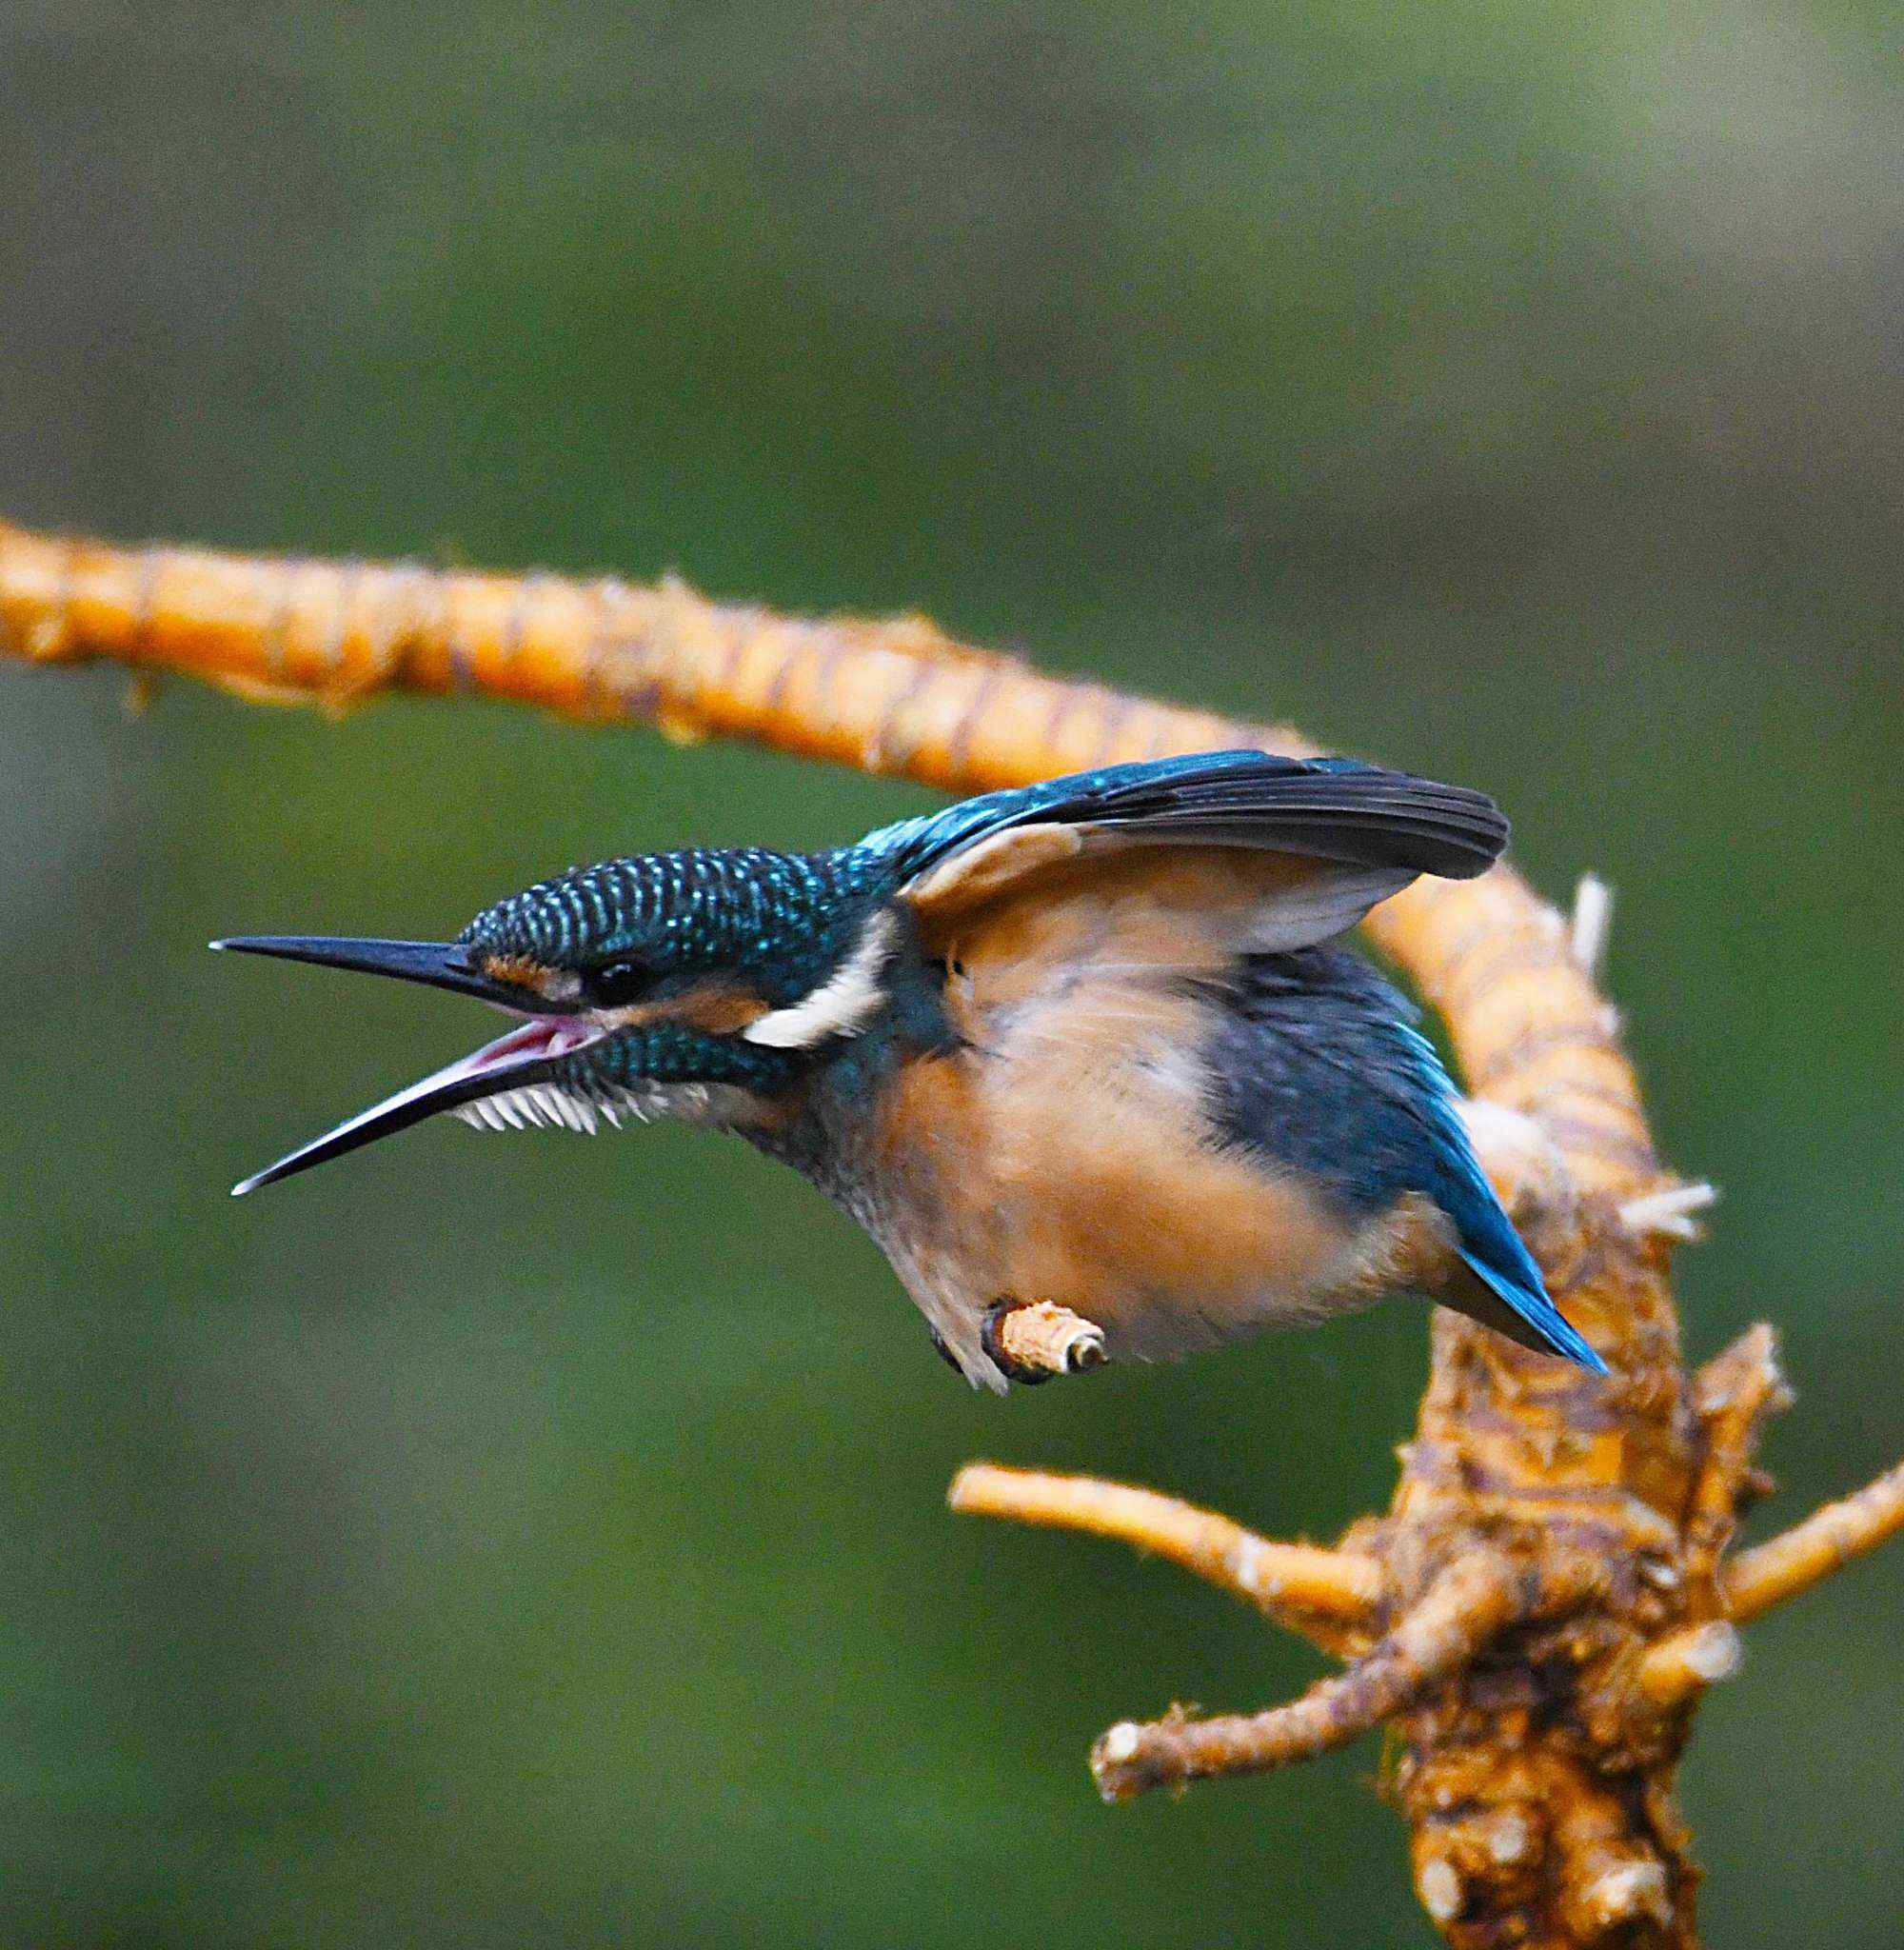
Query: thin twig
x,y
1042,1338
1468,1605
1757,1580
1295,1583
1591,924
1732,1395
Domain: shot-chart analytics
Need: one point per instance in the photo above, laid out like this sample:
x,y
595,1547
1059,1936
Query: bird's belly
x,y
1171,1252
1085,1170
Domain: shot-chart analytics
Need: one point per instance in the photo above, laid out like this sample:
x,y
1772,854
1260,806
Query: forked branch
x,y
1466,1607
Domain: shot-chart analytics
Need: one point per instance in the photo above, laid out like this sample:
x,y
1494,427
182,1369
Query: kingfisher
x,y
1090,1045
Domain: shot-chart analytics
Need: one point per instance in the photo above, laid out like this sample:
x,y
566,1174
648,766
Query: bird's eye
x,y
615,983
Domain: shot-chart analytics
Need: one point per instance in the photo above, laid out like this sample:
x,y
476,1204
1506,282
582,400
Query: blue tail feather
x,y
1490,1247
1527,1296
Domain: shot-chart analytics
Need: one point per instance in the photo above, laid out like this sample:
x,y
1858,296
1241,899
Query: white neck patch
x,y
841,1005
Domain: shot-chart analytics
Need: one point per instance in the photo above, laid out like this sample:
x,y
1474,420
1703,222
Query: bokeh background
x,y
533,1541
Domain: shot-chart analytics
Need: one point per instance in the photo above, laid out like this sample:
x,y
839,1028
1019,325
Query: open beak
x,y
528,1056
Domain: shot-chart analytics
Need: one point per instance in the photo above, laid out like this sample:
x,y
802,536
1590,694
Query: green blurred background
x,y
533,1541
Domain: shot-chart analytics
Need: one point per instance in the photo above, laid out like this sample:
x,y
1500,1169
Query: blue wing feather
x,y
1335,808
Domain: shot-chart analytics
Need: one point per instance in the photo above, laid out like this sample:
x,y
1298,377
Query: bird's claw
x,y
1032,1341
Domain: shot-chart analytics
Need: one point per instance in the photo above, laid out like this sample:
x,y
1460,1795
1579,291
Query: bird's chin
x,y
549,1071
537,1073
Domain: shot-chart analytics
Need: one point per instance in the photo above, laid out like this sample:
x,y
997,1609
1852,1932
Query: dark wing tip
x,y
1338,808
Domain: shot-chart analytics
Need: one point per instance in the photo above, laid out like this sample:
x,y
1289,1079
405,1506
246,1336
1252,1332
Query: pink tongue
x,y
546,1036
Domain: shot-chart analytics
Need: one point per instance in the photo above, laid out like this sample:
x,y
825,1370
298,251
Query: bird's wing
x,y
1292,850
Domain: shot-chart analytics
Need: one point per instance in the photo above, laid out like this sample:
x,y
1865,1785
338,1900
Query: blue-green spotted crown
x,y
784,917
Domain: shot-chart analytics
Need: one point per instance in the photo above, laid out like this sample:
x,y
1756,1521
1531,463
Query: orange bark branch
x,y
1757,1580
1047,1339
1295,1583
897,696
1732,1395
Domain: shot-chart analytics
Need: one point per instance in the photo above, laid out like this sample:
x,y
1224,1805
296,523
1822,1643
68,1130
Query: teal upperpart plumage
x,y
1080,1043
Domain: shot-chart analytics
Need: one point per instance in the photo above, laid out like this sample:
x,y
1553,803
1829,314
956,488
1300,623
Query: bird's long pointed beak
x,y
440,963
528,1055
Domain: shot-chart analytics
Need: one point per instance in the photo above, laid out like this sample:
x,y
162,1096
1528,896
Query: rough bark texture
x,y
1539,1613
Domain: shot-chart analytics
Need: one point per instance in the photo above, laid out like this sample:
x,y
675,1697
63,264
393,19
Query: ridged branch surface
x,y
1539,1613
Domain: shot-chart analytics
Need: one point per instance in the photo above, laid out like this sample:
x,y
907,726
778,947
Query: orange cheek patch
x,y
718,1008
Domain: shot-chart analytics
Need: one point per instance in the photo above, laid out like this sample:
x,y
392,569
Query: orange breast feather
x,y
1065,1152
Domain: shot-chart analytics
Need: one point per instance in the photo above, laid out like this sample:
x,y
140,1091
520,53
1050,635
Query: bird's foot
x,y
1032,1341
